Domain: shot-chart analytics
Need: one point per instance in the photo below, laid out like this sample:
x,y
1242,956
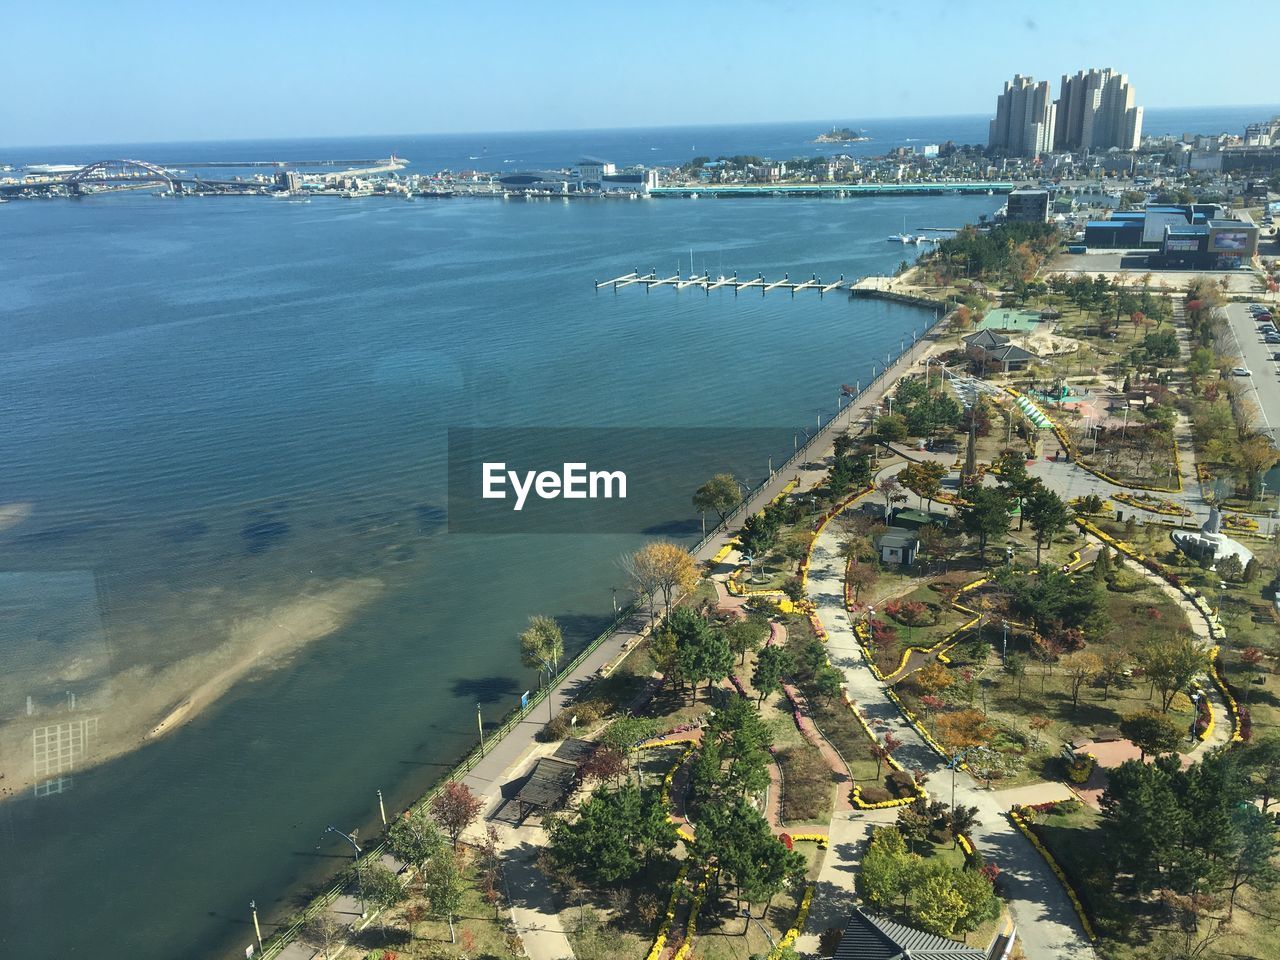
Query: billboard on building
x,y
1229,240
1181,246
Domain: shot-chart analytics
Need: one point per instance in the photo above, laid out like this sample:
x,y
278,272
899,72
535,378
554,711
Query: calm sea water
x,y
225,420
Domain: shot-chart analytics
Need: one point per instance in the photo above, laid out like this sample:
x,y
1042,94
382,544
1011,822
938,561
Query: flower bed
x,y
660,941
820,839
1081,768
1237,521
690,926
1233,708
1018,821
789,938
1168,508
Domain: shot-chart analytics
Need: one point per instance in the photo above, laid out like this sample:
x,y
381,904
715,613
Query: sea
x,y
223,485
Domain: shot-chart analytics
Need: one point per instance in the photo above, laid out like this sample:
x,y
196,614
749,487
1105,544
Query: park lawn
x,y
479,932
1046,690
720,936
1073,836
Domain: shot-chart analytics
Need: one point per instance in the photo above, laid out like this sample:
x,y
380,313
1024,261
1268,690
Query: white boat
x,y
693,196
900,238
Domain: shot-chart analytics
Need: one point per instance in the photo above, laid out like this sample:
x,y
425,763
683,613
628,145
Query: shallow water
x,y
227,418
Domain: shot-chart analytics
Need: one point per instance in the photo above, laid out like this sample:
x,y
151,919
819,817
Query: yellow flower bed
x,y
660,941
965,844
689,929
1168,508
789,938
1233,708
654,744
856,794
1057,870
1077,504
1238,521
820,839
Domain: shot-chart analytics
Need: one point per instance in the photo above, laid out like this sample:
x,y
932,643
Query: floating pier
x,y
708,283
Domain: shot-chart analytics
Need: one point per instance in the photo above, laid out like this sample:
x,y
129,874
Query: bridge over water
x,y
914,188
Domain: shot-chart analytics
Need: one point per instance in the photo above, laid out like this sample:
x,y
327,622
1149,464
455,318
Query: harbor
x,y
706,283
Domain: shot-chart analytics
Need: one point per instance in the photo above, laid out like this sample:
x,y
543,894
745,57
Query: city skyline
x,y
320,76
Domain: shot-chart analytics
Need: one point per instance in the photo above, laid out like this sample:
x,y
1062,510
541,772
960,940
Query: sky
x,y
88,71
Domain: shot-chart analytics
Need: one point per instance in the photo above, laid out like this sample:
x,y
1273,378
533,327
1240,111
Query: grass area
x,y
1044,693
1072,834
482,928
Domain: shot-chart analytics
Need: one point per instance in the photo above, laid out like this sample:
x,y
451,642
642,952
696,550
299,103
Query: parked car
x,y
1241,372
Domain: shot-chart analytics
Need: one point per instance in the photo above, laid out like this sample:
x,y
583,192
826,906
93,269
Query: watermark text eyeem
x,y
573,482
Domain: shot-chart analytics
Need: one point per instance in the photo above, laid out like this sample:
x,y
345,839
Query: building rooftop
x,y
898,537
868,937
986,339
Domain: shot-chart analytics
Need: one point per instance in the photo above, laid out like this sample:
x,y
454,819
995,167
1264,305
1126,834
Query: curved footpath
x,y
1047,923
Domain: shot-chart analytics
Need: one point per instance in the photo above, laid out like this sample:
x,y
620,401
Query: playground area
x,y
1016,321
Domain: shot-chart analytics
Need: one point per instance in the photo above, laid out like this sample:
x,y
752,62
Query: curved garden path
x,y
1047,923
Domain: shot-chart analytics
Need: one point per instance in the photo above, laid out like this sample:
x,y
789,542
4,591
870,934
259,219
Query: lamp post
x,y
382,809
547,666
359,873
480,724
1004,644
257,930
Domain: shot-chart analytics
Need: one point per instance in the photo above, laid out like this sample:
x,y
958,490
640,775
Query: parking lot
x,y
1257,355
1129,265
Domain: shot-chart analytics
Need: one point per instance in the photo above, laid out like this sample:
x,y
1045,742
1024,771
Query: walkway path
x,y
1050,928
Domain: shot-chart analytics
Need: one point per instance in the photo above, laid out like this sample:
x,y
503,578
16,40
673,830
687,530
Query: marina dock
x,y
708,283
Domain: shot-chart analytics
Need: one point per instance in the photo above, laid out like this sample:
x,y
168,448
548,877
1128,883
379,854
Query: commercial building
x,y
1096,112
1215,245
1027,206
1024,120
592,171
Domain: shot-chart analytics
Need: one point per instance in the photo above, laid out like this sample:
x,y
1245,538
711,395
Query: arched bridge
x,y
119,172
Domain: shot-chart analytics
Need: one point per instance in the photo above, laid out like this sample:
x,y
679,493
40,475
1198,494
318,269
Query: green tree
x,y
1014,479
888,869
1142,822
444,885
744,636
1015,665
414,839
1254,861
1047,514
721,493
614,836
1151,732
985,515
383,891
542,644
771,665
1171,666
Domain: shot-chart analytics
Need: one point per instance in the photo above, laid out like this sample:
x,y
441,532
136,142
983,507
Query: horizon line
x,y
563,130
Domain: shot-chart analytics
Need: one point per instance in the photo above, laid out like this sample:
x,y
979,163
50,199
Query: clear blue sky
x,y
94,71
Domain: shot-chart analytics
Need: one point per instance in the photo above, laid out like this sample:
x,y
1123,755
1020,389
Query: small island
x,y
840,135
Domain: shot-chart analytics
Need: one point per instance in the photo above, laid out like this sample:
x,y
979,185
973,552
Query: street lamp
x,y
359,873
1004,644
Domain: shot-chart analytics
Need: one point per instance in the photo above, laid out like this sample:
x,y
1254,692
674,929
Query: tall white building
x,y
1024,121
1095,112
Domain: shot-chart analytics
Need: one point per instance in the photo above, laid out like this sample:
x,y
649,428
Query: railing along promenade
x,y
865,398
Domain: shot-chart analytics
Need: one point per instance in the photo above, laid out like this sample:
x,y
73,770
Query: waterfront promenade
x,y
505,757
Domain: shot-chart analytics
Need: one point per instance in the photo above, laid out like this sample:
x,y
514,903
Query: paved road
x,y
1049,927
1257,356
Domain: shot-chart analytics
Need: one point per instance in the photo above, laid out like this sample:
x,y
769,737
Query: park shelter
x,y
868,937
551,779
